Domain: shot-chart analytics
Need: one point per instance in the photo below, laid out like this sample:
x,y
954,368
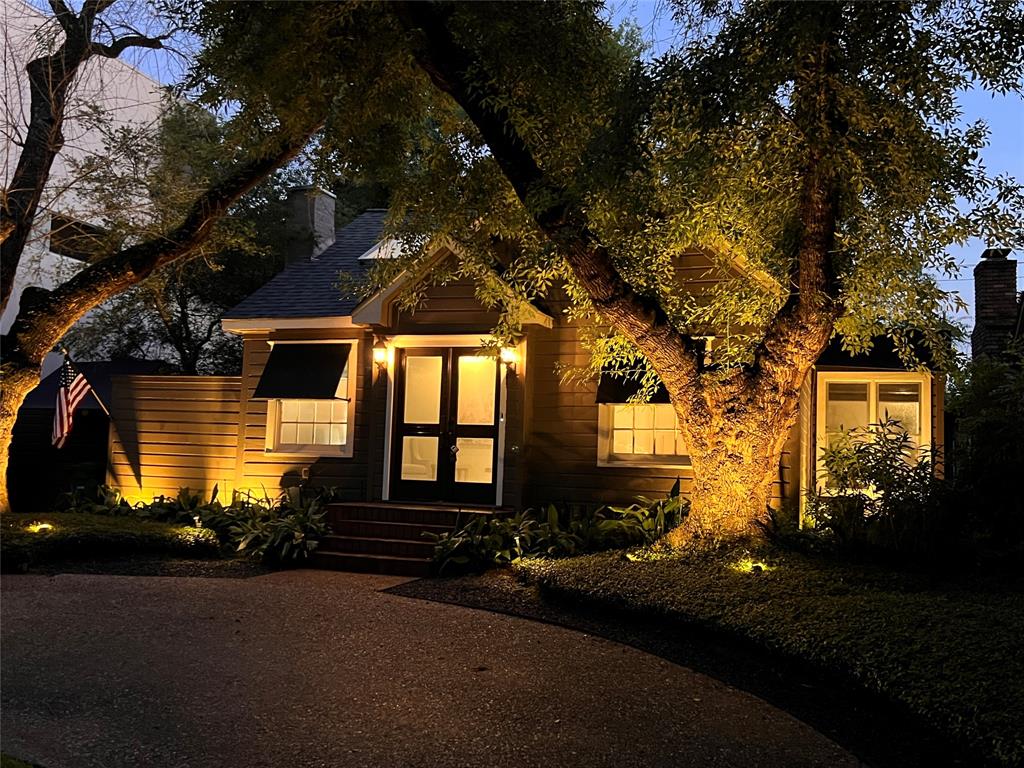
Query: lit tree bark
x,y
736,426
45,315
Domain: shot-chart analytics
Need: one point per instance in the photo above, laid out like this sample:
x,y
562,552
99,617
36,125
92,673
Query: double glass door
x,y
445,441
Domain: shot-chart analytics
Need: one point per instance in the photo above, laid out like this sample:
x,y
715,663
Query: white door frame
x,y
461,340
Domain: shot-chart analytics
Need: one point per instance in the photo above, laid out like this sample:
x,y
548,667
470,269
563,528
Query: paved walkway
x,y
309,668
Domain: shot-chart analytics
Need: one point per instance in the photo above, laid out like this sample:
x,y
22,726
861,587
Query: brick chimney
x,y
310,223
995,302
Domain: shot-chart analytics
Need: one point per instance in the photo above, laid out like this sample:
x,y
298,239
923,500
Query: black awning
x,y
303,372
618,389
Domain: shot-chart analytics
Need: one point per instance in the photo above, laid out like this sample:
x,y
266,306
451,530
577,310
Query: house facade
x,y
389,404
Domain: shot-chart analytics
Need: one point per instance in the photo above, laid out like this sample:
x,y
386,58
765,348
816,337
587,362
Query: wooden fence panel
x,y
169,432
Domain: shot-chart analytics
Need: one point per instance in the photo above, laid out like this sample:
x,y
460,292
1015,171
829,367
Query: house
x,y
400,408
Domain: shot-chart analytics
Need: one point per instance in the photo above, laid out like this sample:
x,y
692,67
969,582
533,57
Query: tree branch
x,y
47,315
116,48
447,62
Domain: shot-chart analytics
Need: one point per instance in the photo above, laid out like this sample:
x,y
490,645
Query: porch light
x,y
380,353
40,527
509,356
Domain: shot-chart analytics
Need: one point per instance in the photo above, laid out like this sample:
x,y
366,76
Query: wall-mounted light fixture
x,y
380,354
510,356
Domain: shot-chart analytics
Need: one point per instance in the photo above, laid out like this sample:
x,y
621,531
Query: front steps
x,y
386,537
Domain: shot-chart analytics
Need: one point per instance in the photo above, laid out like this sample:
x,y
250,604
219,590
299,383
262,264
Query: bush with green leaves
x,y
502,539
882,495
276,531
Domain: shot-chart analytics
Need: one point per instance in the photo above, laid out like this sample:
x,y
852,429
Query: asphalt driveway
x,y
310,668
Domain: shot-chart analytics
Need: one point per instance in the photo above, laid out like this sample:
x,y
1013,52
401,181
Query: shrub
x,y
280,530
33,539
882,495
493,540
288,530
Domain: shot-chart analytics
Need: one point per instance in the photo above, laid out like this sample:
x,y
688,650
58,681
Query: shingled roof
x,y
309,288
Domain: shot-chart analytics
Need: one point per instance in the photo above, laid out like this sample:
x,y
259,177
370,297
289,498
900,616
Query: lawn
x,y
31,540
947,648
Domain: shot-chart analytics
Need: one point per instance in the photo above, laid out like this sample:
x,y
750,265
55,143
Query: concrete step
x,y
387,512
377,546
366,563
377,530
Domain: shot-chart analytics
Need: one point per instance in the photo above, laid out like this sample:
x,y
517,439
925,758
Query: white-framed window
x,y
642,434
857,399
316,427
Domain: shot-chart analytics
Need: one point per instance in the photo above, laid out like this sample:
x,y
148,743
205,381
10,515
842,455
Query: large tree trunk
x,y
17,383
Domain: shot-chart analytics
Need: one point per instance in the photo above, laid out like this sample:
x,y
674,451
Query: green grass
x,y
26,540
947,649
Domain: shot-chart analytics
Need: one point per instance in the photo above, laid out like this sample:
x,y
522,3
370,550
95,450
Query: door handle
x,y
454,449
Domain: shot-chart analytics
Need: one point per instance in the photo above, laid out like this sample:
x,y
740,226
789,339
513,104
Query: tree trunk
x,y
735,468
19,380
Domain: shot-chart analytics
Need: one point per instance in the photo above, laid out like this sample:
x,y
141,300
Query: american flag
x,y
71,390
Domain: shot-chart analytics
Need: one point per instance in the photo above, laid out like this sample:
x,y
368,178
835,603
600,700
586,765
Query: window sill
x,y
322,451
683,463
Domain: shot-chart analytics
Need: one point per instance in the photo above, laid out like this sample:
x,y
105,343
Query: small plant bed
x,y
947,650
36,541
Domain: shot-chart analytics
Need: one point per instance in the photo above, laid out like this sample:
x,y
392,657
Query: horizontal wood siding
x,y
561,451
169,432
261,472
451,308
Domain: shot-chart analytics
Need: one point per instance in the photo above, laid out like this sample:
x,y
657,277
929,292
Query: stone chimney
x,y
995,302
310,223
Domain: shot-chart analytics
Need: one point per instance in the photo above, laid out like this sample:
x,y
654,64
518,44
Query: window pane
x,y
846,407
322,434
664,416
643,417
338,434
903,403
288,434
477,377
342,390
622,441
474,459
680,446
665,442
422,390
643,442
623,418
304,434
339,412
307,410
419,458
289,410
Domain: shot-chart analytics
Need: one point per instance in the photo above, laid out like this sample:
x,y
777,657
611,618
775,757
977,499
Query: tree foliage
x,y
813,151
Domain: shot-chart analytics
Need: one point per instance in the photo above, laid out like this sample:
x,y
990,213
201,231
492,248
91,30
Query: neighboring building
x,y
118,92
998,306
386,404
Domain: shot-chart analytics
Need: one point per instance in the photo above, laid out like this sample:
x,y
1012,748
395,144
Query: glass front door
x,y
445,441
